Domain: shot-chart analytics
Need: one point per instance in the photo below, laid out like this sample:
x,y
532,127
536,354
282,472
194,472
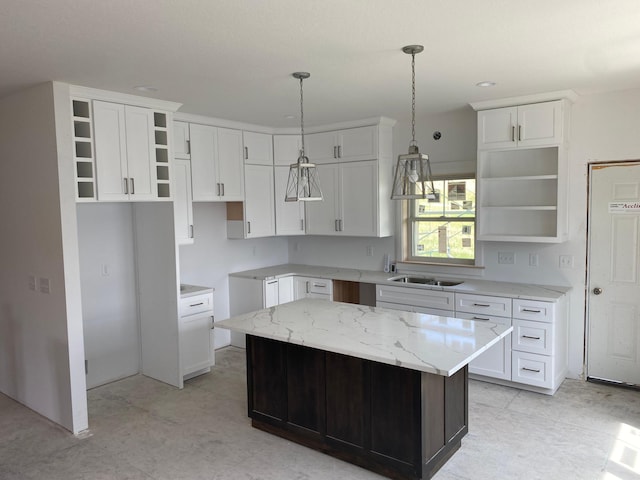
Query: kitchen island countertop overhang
x,y
427,343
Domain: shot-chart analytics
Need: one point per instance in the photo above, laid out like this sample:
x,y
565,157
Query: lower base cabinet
x,y
398,422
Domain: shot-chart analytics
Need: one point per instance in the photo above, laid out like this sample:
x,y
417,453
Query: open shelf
x,y
83,150
161,145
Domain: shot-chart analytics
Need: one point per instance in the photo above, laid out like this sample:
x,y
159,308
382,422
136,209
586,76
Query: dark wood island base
x,y
395,421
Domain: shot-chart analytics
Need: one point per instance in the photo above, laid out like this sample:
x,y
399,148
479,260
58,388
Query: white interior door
x,y
613,302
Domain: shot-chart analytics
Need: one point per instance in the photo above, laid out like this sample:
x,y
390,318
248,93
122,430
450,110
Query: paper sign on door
x,y
624,207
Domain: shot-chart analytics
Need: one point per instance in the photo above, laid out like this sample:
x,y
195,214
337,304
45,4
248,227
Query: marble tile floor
x,y
143,429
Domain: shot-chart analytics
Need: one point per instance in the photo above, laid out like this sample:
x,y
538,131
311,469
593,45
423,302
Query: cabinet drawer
x,y
317,285
531,369
414,297
483,305
411,308
495,362
533,337
534,310
196,304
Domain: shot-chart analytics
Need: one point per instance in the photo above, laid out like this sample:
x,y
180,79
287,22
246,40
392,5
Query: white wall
x,y
41,346
212,257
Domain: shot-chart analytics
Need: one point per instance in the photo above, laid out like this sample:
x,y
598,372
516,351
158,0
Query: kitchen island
x,y
383,389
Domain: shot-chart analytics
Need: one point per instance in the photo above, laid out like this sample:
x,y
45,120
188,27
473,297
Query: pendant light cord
x,y
413,99
302,119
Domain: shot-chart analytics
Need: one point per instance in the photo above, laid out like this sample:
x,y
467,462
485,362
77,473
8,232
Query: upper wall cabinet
x,y
217,164
290,216
181,140
355,184
524,126
522,173
182,198
121,146
352,144
258,148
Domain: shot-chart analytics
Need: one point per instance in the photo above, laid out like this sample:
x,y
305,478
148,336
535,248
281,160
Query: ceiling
x,y
233,59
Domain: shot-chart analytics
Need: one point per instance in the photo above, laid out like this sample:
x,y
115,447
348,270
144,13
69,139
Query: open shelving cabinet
x,y
522,194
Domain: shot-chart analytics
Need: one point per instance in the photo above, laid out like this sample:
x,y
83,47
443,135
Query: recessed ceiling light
x,y
486,83
145,88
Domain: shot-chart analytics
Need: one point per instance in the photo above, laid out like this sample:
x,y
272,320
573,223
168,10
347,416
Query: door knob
x,y
597,291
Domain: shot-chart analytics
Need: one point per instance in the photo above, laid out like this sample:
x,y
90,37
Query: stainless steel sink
x,y
424,281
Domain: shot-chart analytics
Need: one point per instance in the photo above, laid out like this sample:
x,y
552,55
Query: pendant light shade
x,y
303,183
412,178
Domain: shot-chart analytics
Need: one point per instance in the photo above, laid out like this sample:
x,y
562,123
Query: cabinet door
x,y
195,345
358,197
140,153
289,215
321,147
497,128
258,148
258,205
285,290
358,144
204,147
286,149
495,362
111,151
230,165
182,206
271,293
540,124
181,140
323,217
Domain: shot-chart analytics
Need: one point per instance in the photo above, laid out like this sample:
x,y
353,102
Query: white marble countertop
x,y
191,290
545,293
418,341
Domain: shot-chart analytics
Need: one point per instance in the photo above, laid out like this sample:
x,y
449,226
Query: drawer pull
x,y
531,311
320,285
530,337
481,305
480,318
196,304
531,370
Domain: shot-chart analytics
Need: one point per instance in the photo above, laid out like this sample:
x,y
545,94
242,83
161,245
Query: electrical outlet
x,y
506,257
44,285
369,251
533,259
566,261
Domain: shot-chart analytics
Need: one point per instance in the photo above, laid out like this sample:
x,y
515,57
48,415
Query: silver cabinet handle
x,y
530,337
531,311
246,153
531,370
189,147
481,305
481,318
217,189
133,186
339,151
190,231
335,150
126,186
222,189
302,224
320,285
248,228
196,304
341,229
336,225
513,133
519,132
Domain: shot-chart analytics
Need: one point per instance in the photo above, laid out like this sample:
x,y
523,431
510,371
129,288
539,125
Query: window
x,y
443,230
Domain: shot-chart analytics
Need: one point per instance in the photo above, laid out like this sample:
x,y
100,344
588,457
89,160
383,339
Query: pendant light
x,y
303,183
413,179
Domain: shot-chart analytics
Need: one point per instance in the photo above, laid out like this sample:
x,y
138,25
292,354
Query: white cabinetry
x,y
522,173
258,148
259,210
249,294
355,178
124,152
433,302
351,144
309,287
182,201
196,313
352,198
181,140
495,362
290,216
216,164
